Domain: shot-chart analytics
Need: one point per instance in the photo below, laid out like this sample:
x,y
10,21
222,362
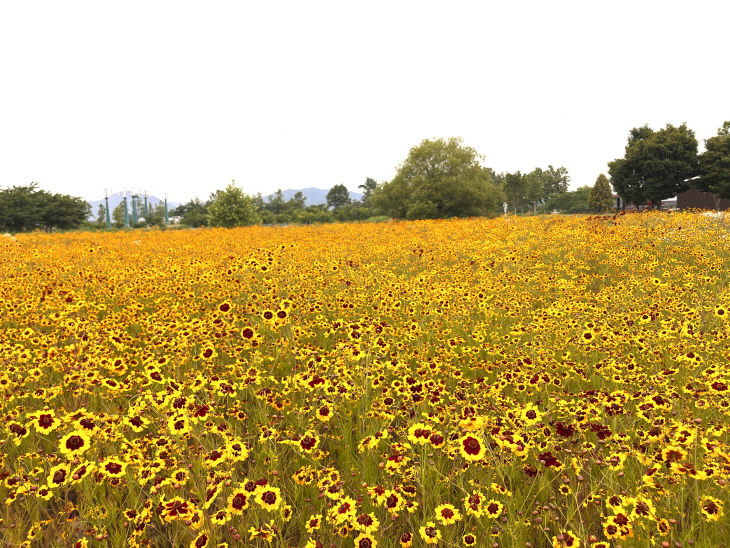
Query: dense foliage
x,y
232,207
520,381
656,165
601,196
715,163
25,208
441,178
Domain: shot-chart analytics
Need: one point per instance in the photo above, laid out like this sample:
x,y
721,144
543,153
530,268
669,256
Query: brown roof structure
x,y
694,198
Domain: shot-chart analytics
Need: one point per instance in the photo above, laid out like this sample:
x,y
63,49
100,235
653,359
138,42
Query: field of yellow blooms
x,y
545,381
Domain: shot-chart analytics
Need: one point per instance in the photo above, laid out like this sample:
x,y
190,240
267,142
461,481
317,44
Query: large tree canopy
x,y
232,207
440,178
715,163
28,208
657,164
338,197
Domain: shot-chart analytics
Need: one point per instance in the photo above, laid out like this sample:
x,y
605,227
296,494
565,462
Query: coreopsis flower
x,y
471,447
308,442
469,539
419,433
429,533
176,508
81,471
113,467
367,523
365,540
711,507
566,539
447,514
263,532
313,523
201,541
324,412
58,475
493,508
269,498
45,421
343,511
74,444
530,414
238,501
178,425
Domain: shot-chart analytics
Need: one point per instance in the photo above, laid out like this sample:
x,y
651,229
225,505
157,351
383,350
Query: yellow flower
x,y
429,533
447,514
711,507
471,447
530,414
238,501
365,540
269,498
74,443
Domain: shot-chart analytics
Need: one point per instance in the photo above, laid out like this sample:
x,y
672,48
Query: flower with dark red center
x,y
113,468
58,475
74,443
239,501
447,514
269,498
471,447
308,443
711,507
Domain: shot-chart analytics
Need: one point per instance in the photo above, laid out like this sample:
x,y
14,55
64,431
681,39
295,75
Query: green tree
x,y
338,197
575,201
601,196
118,215
533,188
193,214
27,208
656,164
367,190
20,208
101,215
276,204
232,207
298,201
441,178
553,180
63,211
715,163
514,186
155,214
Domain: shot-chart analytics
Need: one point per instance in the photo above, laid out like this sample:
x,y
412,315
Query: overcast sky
x,y
181,97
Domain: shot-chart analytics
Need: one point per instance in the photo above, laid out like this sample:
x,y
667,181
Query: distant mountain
x,y
116,199
314,196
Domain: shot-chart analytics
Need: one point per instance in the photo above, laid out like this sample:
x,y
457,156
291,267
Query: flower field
x,y
544,381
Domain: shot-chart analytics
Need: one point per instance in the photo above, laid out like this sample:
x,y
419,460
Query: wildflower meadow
x,y
546,381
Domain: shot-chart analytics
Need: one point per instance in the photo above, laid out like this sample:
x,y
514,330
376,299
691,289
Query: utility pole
x,y
135,197
108,217
126,211
167,220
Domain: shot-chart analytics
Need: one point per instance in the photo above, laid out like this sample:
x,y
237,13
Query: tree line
x,y
440,178
27,207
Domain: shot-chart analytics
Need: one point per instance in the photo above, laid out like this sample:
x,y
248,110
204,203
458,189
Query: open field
x,y
556,381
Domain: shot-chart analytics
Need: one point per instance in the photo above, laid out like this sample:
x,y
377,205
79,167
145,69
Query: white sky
x,y
181,97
